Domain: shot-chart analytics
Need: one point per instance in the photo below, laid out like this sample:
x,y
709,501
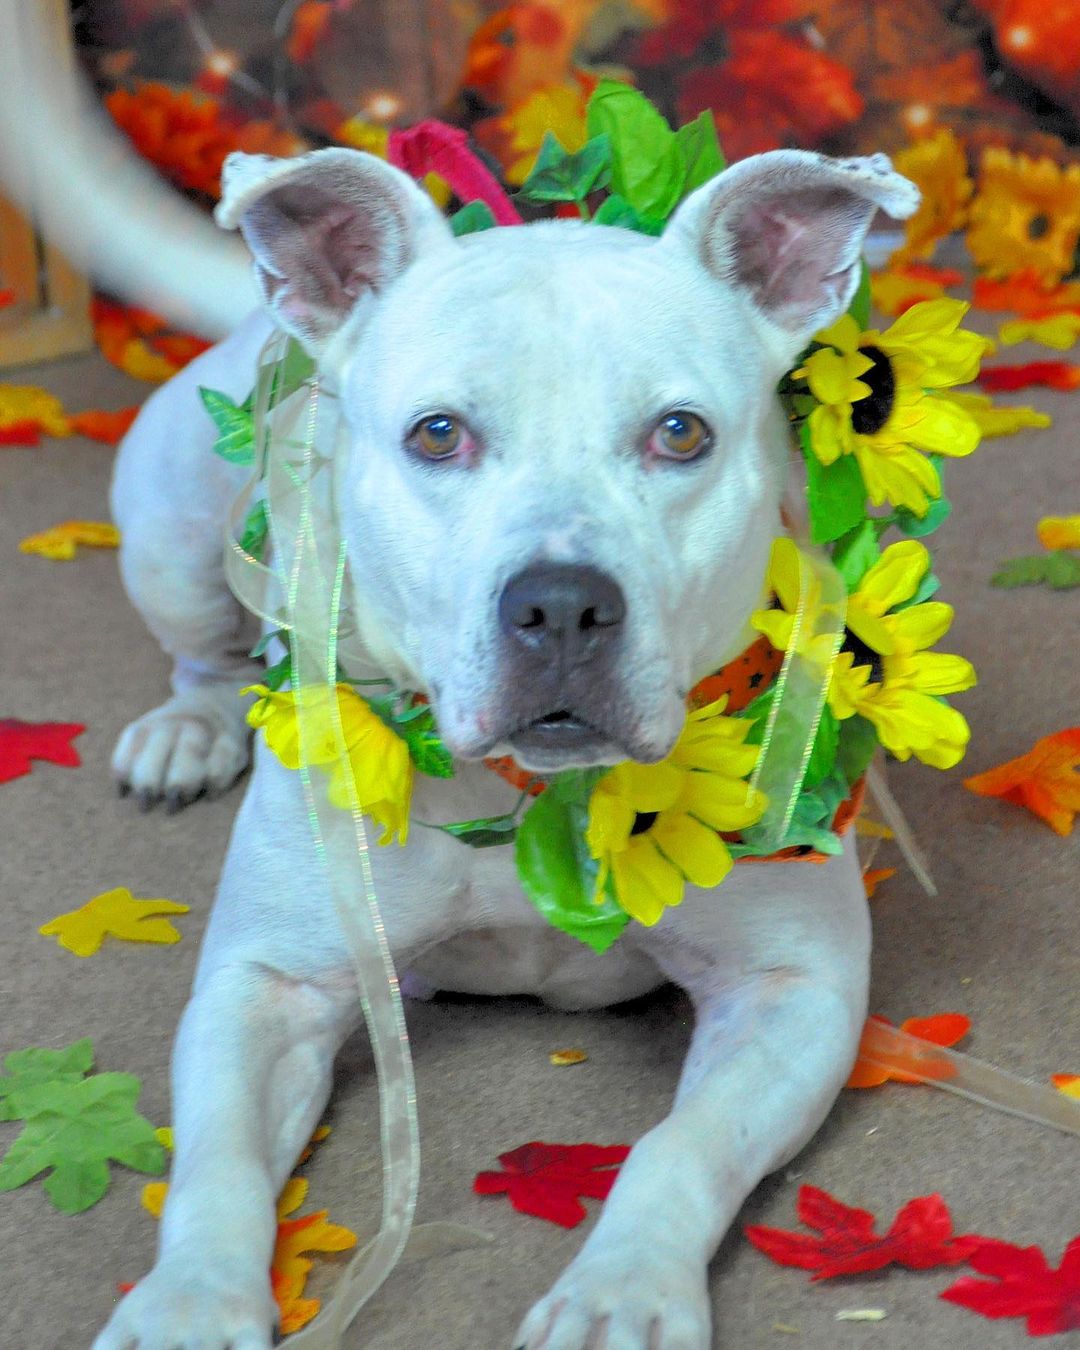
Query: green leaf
x,y
486,832
472,218
295,369
835,493
700,149
858,741
823,755
236,430
75,1128
260,647
937,513
32,1067
856,552
575,785
928,587
256,528
1060,569
559,176
647,166
616,210
859,309
558,874
278,674
426,748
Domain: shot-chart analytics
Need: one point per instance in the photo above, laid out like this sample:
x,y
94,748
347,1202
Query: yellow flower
x,y
879,399
884,671
653,827
938,168
1000,421
378,759
1026,215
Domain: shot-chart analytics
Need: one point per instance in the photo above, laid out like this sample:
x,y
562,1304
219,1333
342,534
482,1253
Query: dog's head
x,y
565,453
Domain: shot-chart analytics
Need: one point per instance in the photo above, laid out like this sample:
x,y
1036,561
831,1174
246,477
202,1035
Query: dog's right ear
x,y
327,230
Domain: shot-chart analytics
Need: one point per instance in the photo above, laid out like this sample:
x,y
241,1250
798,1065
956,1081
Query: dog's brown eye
x,y
680,435
438,437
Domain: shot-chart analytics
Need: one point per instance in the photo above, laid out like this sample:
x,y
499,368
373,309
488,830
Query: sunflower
x,y
653,827
1026,215
938,168
377,758
885,671
878,399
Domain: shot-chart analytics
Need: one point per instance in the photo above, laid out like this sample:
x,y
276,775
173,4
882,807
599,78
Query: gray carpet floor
x,y
999,943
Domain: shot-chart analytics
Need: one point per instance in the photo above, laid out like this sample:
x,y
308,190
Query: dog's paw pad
x,y
197,743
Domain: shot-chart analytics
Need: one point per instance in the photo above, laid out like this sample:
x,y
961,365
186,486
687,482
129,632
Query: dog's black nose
x,y
561,611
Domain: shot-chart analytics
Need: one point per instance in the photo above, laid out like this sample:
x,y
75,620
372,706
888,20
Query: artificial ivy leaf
x,y
835,494
278,674
1060,569
858,741
426,749
29,1068
486,832
647,165
616,210
929,586
559,176
859,309
295,368
907,522
856,552
256,528
472,218
75,1128
823,755
700,149
260,647
558,874
236,430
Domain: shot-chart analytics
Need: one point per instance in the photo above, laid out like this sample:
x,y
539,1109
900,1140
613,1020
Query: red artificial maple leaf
x,y
20,742
1053,374
545,1180
1023,1285
921,1237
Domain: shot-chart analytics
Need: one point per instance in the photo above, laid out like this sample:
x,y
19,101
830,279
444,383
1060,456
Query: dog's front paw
x,y
197,742
622,1299
176,1308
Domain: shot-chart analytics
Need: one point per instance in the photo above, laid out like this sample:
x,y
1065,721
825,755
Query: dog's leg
x,y
170,497
780,1007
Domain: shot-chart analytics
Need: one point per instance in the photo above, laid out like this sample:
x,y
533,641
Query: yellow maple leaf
x,y
558,108
59,542
114,913
1059,331
29,403
993,420
1068,1084
1059,532
140,361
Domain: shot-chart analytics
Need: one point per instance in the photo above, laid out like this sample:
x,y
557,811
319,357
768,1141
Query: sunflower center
x,y
1038,226
644,820
871,413
863,655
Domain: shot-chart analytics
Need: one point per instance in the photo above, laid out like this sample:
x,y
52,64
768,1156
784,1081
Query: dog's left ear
x,y
788,227
326,230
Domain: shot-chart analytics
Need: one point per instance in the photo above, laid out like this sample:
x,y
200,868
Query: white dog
x,y
524,550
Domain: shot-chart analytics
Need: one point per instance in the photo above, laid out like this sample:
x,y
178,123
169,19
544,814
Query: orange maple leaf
x,y
1044,780
873,878
290,1267
941,1029
1025,293
98,425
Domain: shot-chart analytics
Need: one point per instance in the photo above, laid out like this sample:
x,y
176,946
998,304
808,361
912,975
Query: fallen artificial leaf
x,y
140,343
30,1068
1000,421
1024,293
114,913
545,1179
895,290
21,742
1051,374
1059,569
1044,780
1059,532
872,829
59,543
874,876
1059,331
26,411
861,1315
74,1126
7,297
941,1029
1022,1285
24,431
108,427
310,21
1068,1084
920,1238
562,1057
309,1148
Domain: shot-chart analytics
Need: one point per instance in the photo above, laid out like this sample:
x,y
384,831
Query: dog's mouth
x,y
561,738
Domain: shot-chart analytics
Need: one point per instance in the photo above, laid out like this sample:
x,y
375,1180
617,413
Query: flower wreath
x,y
869,413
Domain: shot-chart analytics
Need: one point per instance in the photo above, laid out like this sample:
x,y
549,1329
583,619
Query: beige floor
x,y
1000,943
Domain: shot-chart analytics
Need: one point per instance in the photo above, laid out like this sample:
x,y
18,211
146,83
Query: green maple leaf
x,y
75,1128
1060,569
30,1068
